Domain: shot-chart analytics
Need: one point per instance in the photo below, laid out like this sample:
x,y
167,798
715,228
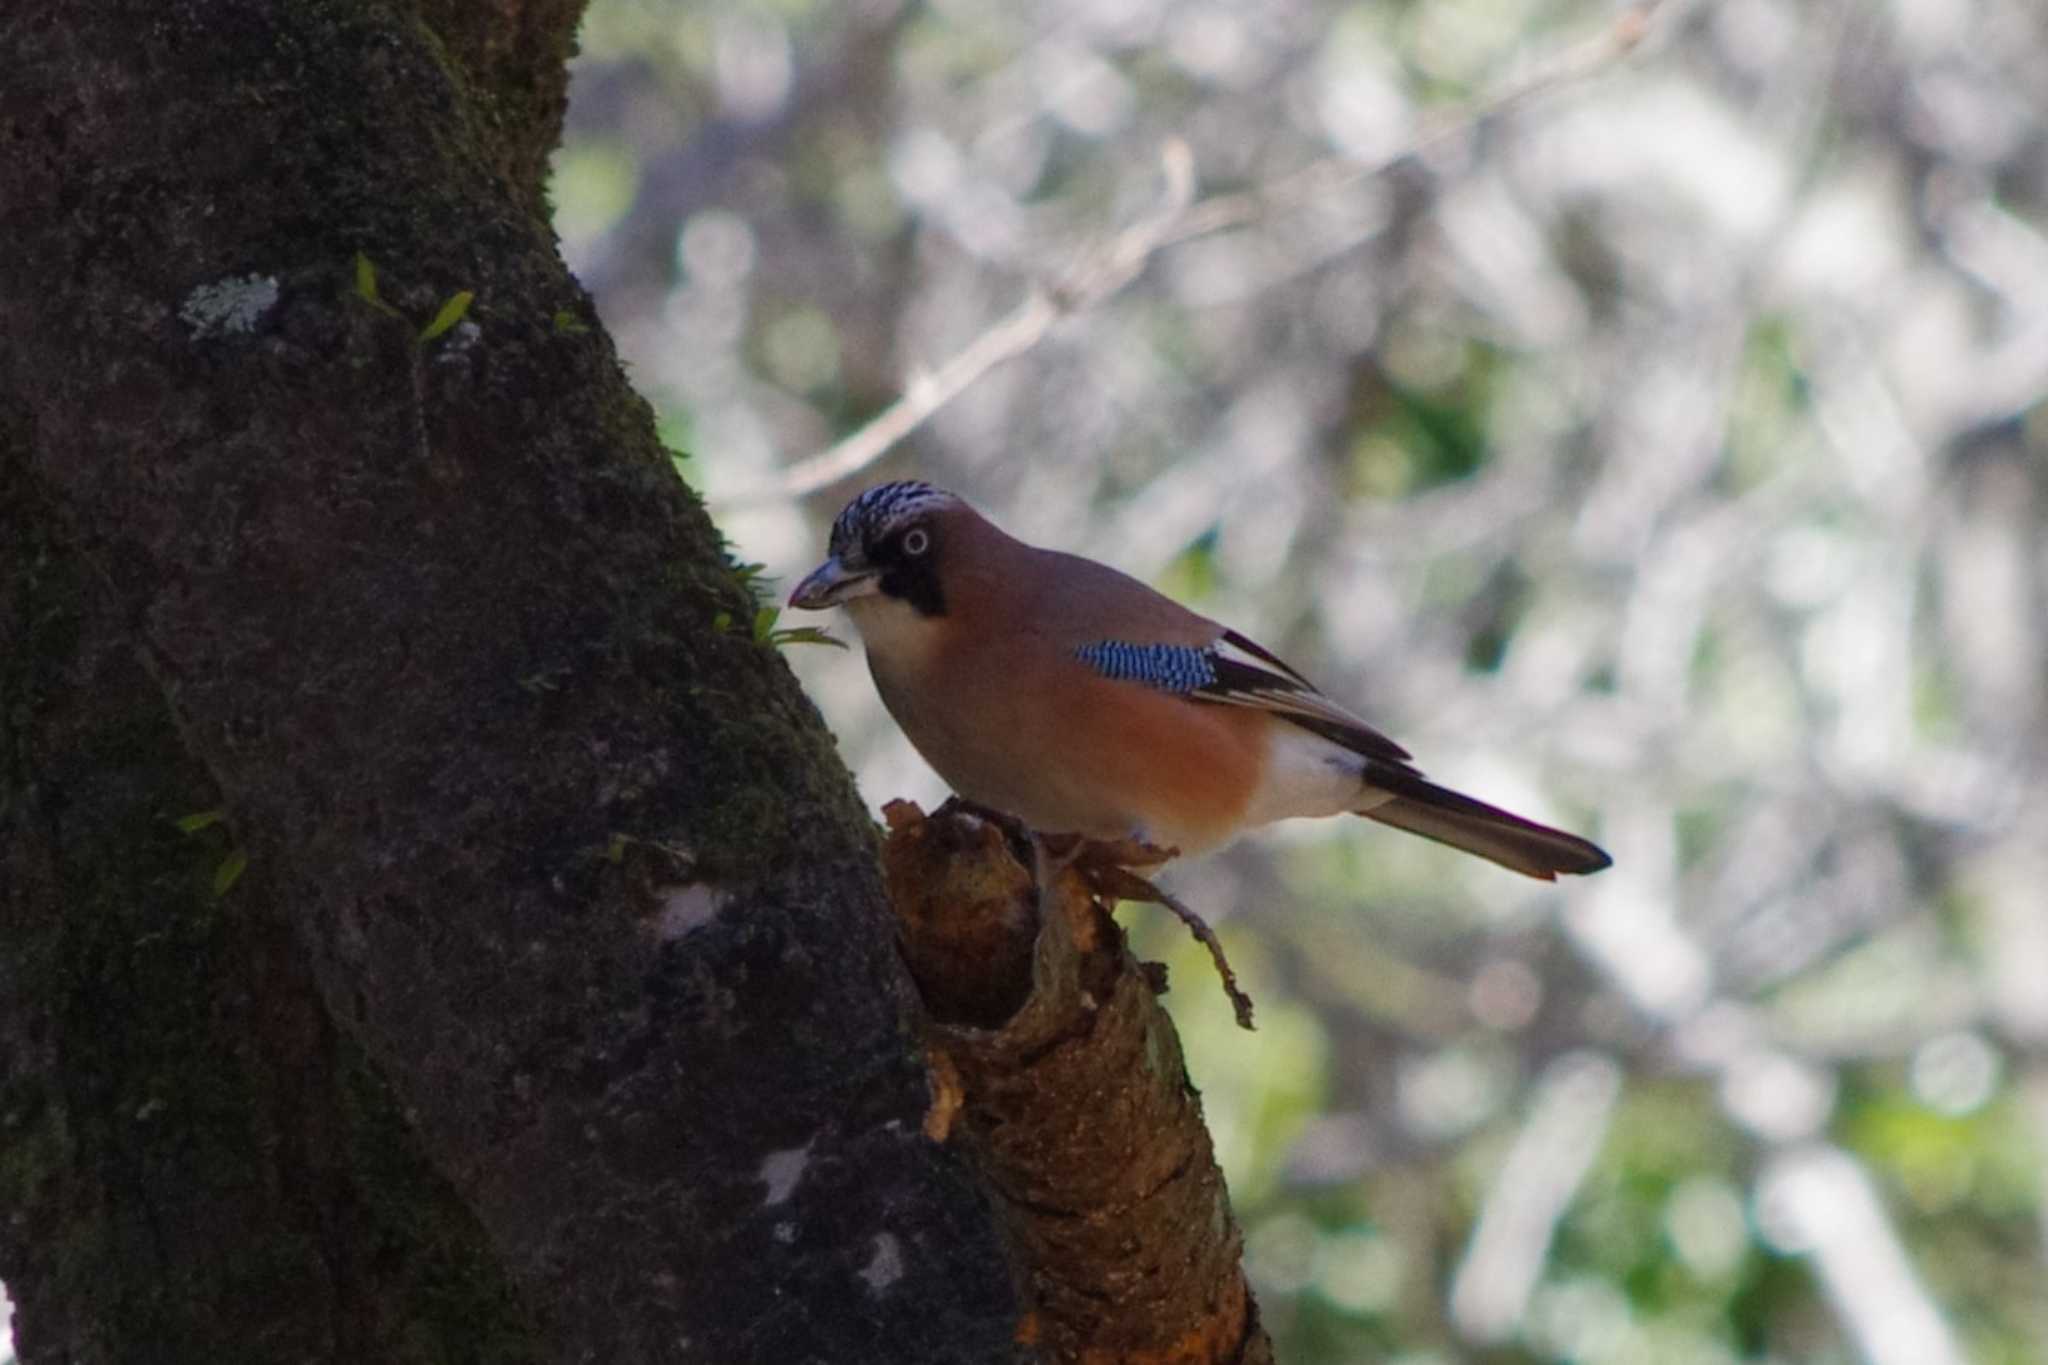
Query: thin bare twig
x,y
1096,279
927,393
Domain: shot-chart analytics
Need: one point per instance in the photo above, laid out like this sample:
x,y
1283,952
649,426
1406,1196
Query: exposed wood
x,y
1075,1103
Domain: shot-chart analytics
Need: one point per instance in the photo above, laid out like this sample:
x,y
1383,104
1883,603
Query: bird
x,y
1077,699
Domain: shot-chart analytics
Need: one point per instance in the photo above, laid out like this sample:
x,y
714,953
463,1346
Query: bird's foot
x,y
1107,870
1127,853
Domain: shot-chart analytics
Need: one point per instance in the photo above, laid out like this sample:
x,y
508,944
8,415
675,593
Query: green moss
x,y
197,1167
461,1307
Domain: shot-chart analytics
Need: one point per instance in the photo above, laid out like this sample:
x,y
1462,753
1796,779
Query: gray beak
x,y
831,584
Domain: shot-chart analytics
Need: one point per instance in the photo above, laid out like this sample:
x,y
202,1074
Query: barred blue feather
x,y
1170,668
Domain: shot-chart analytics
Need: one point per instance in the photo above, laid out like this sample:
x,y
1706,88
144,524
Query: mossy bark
x,y
555,1015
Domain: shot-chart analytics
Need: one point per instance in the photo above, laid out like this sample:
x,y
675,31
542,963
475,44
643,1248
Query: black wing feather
x,y
1272,685
1261,682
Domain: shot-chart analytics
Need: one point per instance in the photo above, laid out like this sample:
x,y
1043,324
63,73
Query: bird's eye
x,y
917,541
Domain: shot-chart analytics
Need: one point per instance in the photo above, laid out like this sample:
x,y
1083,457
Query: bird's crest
x,y
874,514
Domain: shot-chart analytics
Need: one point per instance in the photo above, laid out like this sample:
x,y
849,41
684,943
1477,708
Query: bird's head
x,y
886,550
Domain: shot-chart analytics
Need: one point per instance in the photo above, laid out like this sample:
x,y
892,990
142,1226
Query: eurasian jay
x,y
1077,699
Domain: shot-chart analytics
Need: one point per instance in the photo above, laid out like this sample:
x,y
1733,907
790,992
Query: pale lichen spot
x,y
684,909
780,1172
460,340
885,1266
228,307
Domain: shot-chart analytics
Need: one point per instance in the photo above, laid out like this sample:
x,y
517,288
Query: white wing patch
x,y
1249,675
1235,648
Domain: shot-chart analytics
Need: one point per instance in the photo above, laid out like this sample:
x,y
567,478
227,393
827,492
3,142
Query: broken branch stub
x,y
1055,1065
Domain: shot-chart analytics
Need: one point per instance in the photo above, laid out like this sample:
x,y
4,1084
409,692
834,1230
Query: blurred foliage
x,y
1667,456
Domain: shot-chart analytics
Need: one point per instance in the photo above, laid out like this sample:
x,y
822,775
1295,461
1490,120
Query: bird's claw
x,y
1108,873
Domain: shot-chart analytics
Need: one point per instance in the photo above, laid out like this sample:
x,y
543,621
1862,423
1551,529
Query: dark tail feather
x,y
1524,846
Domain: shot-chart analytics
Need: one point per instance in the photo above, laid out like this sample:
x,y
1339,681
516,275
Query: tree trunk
x,y
532,993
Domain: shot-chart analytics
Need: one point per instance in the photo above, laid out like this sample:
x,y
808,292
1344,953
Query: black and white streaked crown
x,y
870,517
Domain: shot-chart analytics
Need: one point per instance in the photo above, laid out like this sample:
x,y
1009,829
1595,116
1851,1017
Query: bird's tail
x,y
1421,807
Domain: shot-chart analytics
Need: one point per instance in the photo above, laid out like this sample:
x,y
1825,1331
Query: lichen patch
x,y
685,909
885,1266
228,307
781,1171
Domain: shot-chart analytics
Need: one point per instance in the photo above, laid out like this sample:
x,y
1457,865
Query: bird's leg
x,y
1107,867
1061,851
1055,957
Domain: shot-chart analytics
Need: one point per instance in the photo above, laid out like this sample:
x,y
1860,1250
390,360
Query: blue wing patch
x,y
1236,672
1170,668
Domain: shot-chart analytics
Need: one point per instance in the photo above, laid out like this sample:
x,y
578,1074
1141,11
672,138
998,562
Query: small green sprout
x,y
545,680
366,287
230,871
366,279
754,578
450,314
766,632
453,311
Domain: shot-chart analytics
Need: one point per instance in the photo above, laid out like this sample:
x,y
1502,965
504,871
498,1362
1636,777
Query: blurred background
x,y
1639,413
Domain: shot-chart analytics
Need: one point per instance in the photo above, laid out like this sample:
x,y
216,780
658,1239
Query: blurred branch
x,y
1569,1116
1290,193
1829,1206
1096,280
927,393
1179,219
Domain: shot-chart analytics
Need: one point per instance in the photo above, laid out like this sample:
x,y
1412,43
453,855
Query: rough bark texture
x,y
555,1014
1065,1078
